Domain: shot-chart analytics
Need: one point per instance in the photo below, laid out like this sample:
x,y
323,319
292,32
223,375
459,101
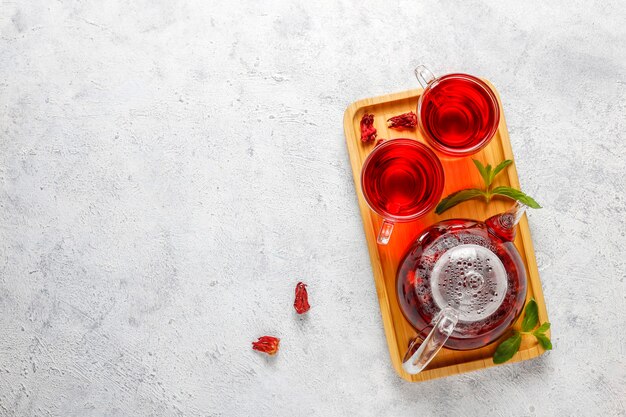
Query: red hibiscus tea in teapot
x,y
471,268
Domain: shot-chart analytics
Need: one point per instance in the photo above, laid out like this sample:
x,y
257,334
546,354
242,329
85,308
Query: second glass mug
x,y
458,113
401,180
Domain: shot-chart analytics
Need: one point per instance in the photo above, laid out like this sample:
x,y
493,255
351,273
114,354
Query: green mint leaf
x,y
543,328
484,171
516,195
499,168
507,349
531,316
488,175
544,341
456,198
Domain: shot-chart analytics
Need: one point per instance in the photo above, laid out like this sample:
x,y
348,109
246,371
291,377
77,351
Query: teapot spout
x,y
503,224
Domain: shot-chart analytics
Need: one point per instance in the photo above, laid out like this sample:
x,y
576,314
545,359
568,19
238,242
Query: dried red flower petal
x,y
403,121
266,344
379,141
411,277
301,303
368,132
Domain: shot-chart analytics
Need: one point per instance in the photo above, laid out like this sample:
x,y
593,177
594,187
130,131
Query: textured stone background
x,y
170,169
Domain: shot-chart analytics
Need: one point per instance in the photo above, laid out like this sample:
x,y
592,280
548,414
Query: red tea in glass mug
x,y
458,113
402,180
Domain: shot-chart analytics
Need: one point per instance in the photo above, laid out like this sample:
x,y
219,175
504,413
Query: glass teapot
x,y
461,285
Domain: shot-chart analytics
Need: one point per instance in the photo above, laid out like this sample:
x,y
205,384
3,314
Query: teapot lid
x,y
471,279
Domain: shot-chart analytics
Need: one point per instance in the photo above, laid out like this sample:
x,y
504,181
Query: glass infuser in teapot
x,y
462,284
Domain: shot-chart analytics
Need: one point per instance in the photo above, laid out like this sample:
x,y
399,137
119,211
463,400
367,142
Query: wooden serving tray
x,y
459,173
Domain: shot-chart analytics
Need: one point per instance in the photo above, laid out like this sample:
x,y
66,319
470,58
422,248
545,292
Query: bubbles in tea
x,y
469,278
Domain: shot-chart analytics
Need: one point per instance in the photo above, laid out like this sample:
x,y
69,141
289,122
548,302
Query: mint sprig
x,y
510,346
531,316
507,349
488,175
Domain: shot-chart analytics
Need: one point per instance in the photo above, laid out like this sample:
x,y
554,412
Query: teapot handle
x,y
443,328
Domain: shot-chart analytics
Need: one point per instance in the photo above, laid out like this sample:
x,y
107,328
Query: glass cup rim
x,y
484,141
432,156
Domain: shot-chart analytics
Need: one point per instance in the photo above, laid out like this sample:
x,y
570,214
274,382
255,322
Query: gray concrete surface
x,y
170,169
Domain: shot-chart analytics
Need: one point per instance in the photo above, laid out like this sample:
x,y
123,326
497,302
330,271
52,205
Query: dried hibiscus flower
x,y
266,344
368,131
379,141
301,303
403,121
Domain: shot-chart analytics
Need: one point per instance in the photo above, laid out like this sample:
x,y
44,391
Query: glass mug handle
x,y
444,326
385,232
424,75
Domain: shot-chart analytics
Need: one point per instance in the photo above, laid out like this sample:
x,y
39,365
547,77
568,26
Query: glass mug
x,y
401,180
458,113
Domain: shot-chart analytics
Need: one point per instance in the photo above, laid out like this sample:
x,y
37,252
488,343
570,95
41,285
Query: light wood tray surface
x,y
459,173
